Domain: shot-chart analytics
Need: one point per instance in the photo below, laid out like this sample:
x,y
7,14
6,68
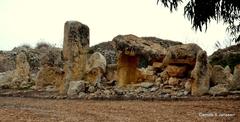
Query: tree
x,y
201,12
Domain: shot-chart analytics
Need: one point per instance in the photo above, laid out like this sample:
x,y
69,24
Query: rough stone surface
x,y
127,69
75,49
236,78
201,75
220,89
228,56
133,45
219,76
176,71
96,67
182,54
173,81
75,87
48,75
111,72
22,71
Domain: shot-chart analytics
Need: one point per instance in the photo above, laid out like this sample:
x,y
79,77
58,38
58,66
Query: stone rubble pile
x,y
145,67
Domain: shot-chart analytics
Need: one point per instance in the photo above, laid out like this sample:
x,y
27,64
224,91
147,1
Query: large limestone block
x,y
201,75
111,72
75,87
96,67
75,48
236,78
219,75
182,54
132,45
176,71
22,71
50,76
127,69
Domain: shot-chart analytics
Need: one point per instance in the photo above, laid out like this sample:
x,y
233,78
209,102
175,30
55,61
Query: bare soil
x,y
16,109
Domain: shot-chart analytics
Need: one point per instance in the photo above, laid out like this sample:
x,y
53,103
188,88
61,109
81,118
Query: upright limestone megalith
x,y
22,72
75,48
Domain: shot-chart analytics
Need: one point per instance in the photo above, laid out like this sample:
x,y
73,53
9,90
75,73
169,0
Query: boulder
x,y
75,87
146,74
96,67
228,56
75,49
219,89
22,71
111,72
5,79
127,71
48,75
173,81
176,71
219,76
201,75
132,45
228,72
185,54
235,85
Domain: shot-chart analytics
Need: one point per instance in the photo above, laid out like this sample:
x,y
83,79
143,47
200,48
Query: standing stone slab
x,y
201,75
75,48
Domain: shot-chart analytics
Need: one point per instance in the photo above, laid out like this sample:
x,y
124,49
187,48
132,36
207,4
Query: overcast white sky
x,y
31,21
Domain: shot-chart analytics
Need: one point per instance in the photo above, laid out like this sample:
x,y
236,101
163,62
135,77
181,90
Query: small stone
x,y
153,89
75,87
92,89
173,81
146,84
141,90
81,95
220,89
50,88
119,91
188,85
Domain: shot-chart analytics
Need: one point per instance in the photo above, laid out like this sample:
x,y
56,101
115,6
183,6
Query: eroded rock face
x,y
111,72
134,46
201,75
236,78
50,72
96,67
176,71
75,48
185,54
219,75
48,75
127,69
75,87
22,71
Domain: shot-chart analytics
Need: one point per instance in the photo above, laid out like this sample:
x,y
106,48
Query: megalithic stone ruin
x,y
75,48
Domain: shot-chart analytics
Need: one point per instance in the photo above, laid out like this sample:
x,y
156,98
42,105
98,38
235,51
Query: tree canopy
x,y
201,12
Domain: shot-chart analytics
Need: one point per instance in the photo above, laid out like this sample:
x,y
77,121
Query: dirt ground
x,y
14,109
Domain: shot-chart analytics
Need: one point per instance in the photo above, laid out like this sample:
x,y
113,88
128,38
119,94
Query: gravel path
x,y
47,110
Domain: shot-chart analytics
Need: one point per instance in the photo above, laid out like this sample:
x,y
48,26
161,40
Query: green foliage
x,y
201,12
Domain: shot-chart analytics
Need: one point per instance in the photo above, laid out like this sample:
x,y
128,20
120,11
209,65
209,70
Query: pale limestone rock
x,y
75,48
220,89
75,87
22,71
181,54
176,71
236,78
201,75
96,67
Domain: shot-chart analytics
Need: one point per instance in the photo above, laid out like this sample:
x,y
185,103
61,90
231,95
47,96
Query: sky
x,y
33,21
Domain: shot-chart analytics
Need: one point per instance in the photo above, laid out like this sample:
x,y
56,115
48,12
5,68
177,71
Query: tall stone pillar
x,y
75,48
